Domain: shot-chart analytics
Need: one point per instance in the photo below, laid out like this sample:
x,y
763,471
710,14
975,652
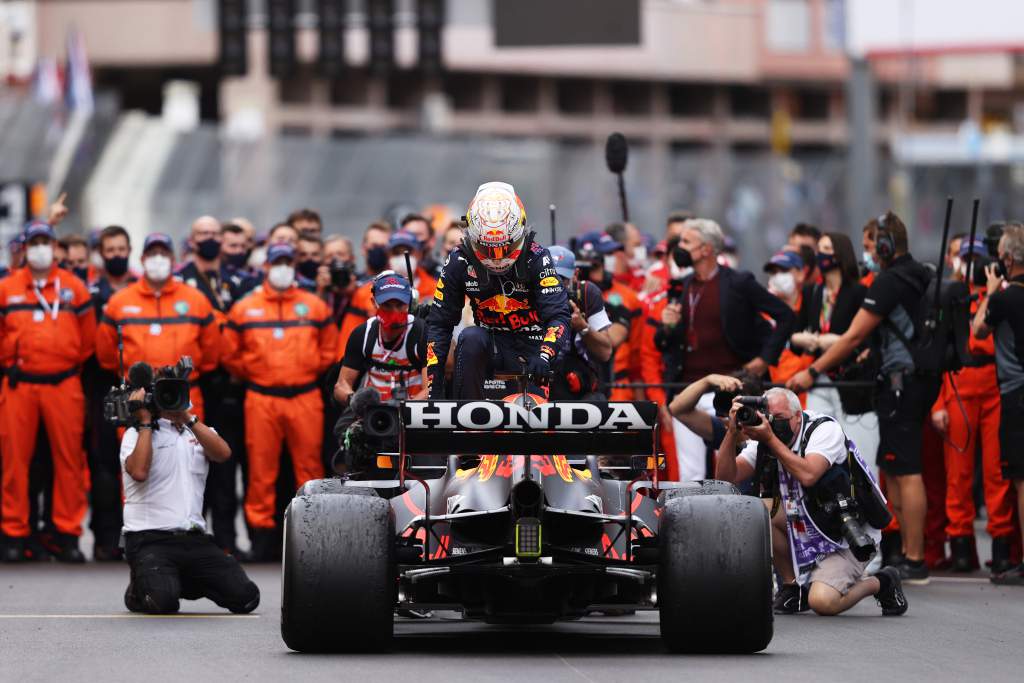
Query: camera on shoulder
x,y
166,390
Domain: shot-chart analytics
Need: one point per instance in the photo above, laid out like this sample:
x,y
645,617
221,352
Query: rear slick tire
x,y
715,575
338,574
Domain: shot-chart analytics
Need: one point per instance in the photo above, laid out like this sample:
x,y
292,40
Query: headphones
x,y
885,245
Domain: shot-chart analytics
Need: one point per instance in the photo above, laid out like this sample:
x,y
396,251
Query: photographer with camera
x,y
279,340
894,305
166,457
821,535
691,405
590,346
1001,314
384,361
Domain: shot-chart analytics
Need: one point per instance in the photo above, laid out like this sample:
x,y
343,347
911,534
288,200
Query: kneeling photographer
x,y
384,363
826,510
165,455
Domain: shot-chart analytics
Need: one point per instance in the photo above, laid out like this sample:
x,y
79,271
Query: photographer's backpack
x,y
865,492
941,334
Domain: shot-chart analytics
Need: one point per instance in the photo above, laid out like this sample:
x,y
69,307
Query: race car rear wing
x,y
499,427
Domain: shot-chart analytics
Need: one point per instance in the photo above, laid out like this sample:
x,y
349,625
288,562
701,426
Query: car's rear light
x,y
528,537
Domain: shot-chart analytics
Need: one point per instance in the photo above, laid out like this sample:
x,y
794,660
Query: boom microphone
x,y
140,375
616,153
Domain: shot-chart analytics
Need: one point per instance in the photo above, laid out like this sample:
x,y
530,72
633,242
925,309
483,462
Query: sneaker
x,y
965,557
14,550
63,547
1011,577
107,553
891,599
914,573
792,598
415,613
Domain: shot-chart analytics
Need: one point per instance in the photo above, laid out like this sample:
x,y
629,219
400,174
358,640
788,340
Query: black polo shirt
x,y
1005,315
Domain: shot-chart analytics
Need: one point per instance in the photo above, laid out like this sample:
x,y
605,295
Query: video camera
x,y
374,430
341,274
166,391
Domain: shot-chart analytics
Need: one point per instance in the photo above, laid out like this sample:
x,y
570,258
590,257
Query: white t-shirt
x,y
827,440
171,498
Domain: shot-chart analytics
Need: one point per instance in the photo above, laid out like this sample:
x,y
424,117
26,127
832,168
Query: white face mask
x,y
609,263
782,283
281,276
397,263
257,258
959,268
157,267
639,259
39,256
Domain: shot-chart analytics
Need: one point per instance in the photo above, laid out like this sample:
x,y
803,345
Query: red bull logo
x,y
499,303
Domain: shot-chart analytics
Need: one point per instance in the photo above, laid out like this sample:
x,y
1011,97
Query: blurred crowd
x,y
680,305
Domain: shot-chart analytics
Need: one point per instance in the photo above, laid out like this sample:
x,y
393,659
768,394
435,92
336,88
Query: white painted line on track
x,y
129,616
957,579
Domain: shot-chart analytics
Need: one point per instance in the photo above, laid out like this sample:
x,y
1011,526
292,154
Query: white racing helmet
x,y
497,226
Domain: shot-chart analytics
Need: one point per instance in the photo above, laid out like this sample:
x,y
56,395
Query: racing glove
x,y
539,366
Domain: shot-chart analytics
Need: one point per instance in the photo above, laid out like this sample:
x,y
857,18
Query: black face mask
x,y
236,261
682,257
827,262
377,258
82,273
1001,269
208,249
307,269
116,266
782,430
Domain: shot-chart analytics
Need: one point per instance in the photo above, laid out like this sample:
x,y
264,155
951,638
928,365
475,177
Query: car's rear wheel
x,y
704,487
333,486
338,574
715,574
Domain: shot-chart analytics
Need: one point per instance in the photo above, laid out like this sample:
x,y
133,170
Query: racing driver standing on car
x,y
520,307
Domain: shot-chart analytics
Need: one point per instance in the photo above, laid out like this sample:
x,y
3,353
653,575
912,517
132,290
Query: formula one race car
x,y
508,537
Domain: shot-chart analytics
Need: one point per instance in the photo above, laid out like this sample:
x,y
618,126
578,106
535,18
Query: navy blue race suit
x,y
523,313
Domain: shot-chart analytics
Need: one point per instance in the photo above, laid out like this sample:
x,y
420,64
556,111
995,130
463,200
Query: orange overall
x,y
978,418
47,331
280,343
160,327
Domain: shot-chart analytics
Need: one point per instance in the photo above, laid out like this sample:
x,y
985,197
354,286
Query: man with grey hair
x,y
792,451
1002,313
715,323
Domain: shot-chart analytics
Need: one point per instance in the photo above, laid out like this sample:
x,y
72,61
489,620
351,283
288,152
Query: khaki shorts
x,y
840,570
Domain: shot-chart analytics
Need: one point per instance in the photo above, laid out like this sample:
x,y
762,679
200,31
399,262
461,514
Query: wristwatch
x,y
585,331
813,372
193,421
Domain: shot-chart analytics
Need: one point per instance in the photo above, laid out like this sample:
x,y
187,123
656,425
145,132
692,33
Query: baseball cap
x,y
601,242
158,238
391,287
787,260
564,261
404,238
979,247
37,228
279,251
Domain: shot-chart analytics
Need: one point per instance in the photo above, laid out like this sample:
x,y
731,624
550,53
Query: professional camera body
x,y
836,510
375,429
751,410
166,390
341,274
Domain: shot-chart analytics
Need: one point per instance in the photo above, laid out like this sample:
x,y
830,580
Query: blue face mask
x,y
870,263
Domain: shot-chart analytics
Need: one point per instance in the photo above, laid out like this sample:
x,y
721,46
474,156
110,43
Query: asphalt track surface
x,y
68,623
